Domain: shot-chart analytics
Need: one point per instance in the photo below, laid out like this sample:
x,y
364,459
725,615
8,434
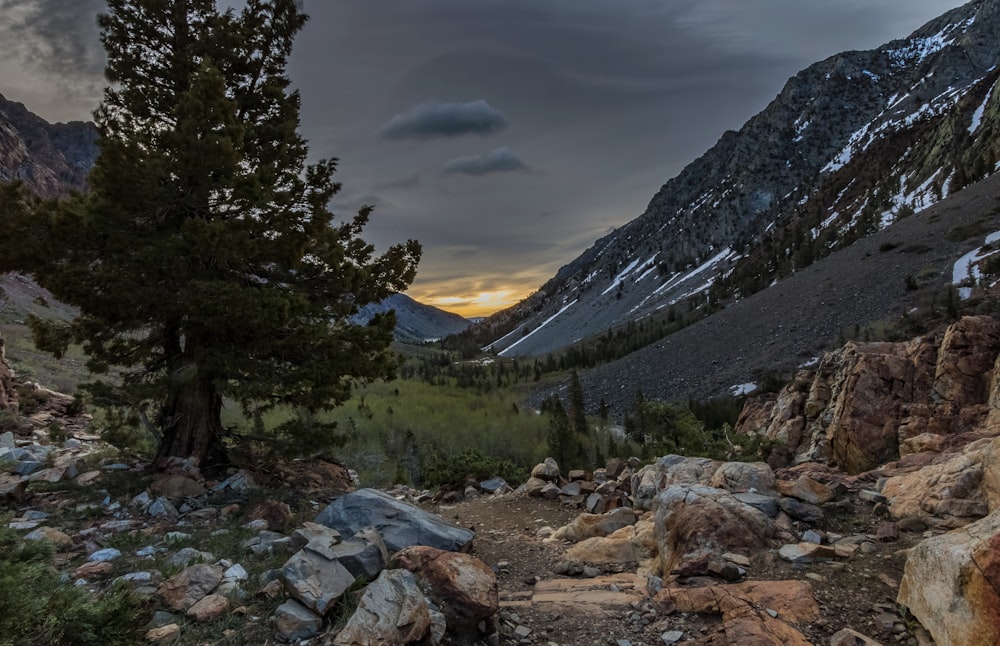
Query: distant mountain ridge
x,y
415,322
50,158
849,146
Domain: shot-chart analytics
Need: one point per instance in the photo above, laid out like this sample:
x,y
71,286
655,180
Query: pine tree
x,y
577,404
205,262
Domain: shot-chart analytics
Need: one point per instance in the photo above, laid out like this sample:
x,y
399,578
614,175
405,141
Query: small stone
x,y
522,631
163,633
101,556
208,608
887,532
672,637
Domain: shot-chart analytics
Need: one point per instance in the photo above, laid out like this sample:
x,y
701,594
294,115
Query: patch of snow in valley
x,y
743,389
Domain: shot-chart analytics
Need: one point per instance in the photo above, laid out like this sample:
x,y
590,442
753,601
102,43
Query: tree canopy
x,y
205,260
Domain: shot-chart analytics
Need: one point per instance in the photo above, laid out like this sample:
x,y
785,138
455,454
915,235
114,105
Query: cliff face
x,y
51,159
872,403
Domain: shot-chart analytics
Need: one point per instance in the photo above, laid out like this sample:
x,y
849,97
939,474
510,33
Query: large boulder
x,y
392,610
667,471
951,584
400,524
933,490
695,524
463,587
630,544
740,477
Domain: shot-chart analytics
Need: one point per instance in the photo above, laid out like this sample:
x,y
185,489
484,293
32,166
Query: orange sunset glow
x,y
471,305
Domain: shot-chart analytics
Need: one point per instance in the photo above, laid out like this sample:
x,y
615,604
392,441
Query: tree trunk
x,y
192,425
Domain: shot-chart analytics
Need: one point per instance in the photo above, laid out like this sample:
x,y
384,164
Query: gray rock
x,y
315,581
401,525
595,503
572,489
671,637
392,610
767,505
801,510
812,536
293,622
494,485
107,554
362,557
7,440
189,555
550,491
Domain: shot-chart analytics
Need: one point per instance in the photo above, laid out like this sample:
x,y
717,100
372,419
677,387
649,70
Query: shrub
x,y
443,469
37,607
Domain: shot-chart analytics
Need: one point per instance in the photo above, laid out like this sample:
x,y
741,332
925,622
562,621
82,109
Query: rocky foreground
x,y
876,521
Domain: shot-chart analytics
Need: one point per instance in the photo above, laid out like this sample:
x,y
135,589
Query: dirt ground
x,y
858,593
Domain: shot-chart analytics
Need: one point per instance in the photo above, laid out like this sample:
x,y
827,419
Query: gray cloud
x,y
433,120
501,160
57,40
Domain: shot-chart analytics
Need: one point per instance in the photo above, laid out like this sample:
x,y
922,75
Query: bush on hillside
x,y
37,607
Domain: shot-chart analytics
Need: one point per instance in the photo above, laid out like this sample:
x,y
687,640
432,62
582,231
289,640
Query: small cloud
x,y
500,160
407,181
433,120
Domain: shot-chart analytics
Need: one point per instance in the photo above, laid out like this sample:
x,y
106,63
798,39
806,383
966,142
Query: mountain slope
x,y
51,159
415,322
908,268
850,145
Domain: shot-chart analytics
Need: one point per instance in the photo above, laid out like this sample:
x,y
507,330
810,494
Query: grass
x,y
387,429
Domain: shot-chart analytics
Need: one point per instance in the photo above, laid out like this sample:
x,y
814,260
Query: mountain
x,y
415,322
50,158
849,147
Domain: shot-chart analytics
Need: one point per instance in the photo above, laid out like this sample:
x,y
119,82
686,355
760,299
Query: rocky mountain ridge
x,y
851,145
50,158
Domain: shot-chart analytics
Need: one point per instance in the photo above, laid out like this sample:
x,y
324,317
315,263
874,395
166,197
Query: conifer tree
x,y
205,262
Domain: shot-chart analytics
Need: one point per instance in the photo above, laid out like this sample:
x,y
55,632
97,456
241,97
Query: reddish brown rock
x,y
744,609
208,608
192,584
694,524
867,402
463,586
273,512
806,489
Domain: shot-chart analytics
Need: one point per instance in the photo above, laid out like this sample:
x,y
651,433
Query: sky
x,y
505,135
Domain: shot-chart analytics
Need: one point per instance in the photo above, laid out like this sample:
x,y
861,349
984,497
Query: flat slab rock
x,y
600,596
400,524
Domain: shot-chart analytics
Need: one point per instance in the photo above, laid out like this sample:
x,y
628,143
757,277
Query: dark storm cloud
x,y
56,39
501,160
433,120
